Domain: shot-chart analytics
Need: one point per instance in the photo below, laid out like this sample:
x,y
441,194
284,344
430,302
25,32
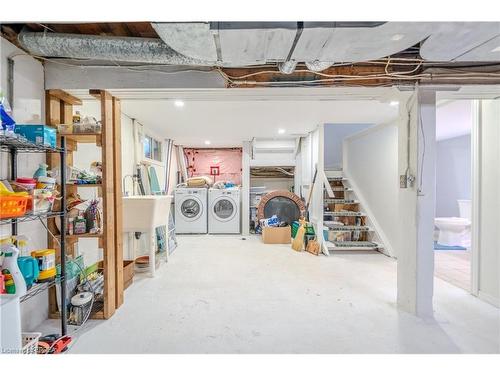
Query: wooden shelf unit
x,y
59,110
84,138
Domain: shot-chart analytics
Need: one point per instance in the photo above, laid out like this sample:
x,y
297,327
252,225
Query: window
x,y
152,148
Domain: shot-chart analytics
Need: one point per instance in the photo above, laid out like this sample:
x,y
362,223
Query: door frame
x,y
475,195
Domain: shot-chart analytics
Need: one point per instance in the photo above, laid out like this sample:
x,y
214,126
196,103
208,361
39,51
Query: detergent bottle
x,y
10,254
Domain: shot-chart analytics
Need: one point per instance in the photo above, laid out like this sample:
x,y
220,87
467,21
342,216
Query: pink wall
x,y
199,161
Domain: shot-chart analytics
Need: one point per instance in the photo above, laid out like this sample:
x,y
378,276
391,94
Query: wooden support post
x,y
108,192
117,172
65,97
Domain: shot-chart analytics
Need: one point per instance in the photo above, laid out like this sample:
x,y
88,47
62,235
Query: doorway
x,y
454,181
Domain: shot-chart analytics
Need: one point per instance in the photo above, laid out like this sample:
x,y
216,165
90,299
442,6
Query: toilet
x,y
455,231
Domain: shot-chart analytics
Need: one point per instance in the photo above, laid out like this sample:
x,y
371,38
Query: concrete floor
x,y
453,266
220,294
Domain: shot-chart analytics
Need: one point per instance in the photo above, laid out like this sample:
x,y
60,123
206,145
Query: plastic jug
x,y
29,268
11,253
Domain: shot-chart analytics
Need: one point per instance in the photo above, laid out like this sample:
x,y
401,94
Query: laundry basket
x,y
30,342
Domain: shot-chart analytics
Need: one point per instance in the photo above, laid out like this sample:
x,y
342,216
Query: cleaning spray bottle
x,y
10,266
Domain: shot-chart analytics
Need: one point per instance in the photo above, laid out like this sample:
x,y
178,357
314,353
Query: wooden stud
x,y
65,97
52,110
66,112
108,204
117,172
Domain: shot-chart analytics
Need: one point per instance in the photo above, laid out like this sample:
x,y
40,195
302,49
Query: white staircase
x,y
348,227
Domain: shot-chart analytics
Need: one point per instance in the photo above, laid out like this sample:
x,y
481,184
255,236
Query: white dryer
x,y
224,211
190,210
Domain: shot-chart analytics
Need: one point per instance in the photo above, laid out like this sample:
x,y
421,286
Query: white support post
x,y
417,144
245,189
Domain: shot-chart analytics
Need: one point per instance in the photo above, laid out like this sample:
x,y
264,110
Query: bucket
x,y
46,264
26,182
47,183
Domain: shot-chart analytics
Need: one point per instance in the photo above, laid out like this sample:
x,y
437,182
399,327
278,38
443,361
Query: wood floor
x,y
453,266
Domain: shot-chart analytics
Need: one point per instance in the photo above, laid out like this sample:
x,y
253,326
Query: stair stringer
x,y
380,237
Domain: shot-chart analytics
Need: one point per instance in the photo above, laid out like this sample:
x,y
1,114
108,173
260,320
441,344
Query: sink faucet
x,y
133,177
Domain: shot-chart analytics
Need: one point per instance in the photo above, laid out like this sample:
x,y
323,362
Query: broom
x,y
298,241
312,245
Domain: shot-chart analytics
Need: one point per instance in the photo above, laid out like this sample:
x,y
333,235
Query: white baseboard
x,y
489,299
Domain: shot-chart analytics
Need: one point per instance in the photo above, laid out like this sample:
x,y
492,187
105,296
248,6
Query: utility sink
x,y
142,213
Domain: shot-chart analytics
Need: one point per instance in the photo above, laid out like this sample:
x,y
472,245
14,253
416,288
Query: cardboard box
x,y
277,235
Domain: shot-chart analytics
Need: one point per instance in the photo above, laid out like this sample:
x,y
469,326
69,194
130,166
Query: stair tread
x,y
344,213
352,245
341,200
362,228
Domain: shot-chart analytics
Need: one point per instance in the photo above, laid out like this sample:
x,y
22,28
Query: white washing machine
x,y
224,210
190,210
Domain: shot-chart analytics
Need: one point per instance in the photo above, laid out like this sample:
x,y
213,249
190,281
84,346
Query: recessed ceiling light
x,y
281,131
393,103
179,103
497,49
207,142
397,37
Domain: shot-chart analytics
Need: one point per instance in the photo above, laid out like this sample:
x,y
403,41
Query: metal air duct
x,y
92,47
318,66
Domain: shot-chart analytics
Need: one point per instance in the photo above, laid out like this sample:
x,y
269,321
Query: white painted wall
x,y
489,201
334,136
370,163
453,174
28,107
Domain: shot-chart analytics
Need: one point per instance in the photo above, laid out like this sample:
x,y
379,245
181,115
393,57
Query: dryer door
x,y
224,208
191,208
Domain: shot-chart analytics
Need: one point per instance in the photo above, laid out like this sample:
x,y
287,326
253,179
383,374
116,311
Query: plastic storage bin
x,y
13,206
39,134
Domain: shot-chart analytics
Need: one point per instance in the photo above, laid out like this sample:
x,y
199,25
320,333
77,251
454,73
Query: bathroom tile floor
x,y
220,294
453,266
